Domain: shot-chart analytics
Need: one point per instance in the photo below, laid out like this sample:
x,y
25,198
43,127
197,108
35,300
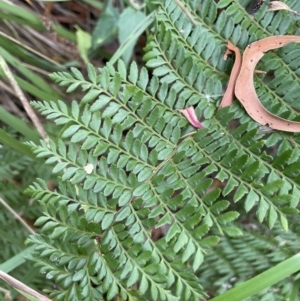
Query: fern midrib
x,y
94,133
277,97
192,51
121,104
291,139
186,231
252,154
229,264
267,33
265,163
217,34
166,262
187,185
63,159
72,228
252,245
49,247
102,259
238,179
108,270
177,73
136,117
83,204
200,202
129,257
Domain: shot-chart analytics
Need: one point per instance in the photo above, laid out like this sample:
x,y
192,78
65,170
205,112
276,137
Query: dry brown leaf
x,y
229,94
278,5
244,87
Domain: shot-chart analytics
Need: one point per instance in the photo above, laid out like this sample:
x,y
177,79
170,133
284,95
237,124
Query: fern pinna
x,y
129,162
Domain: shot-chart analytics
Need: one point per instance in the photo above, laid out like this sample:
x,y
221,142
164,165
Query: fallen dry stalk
x,y
22,287
17,216
23,99
188,14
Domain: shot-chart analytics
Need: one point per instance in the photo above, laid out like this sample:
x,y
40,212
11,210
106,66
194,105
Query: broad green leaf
x,y
84,43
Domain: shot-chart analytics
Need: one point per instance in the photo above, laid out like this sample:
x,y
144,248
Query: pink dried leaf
x,y
190,115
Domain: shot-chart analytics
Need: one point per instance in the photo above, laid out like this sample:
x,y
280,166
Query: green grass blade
x,y
27,296
33,90
262,281
34,79
10,17
132,38
8,140
31,19
27,54
15,261
63,32
18,125
94,3
295,291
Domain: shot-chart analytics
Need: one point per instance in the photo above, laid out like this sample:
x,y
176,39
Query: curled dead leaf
x,y
278,5
244,86
190,115
229,93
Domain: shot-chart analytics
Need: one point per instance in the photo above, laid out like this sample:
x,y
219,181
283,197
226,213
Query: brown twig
x,y
16,215
23,99
38,53
18,285
183,8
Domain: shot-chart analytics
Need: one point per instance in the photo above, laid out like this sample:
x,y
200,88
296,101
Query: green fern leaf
x,y
130,162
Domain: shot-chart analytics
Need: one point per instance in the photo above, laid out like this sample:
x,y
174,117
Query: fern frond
x,y
156,192
130,162
252,162
124,243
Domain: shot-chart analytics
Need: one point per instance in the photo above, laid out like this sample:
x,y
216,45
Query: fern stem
x,y
160,254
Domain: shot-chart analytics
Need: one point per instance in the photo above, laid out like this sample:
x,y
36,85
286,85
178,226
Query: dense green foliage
x,y
128,163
